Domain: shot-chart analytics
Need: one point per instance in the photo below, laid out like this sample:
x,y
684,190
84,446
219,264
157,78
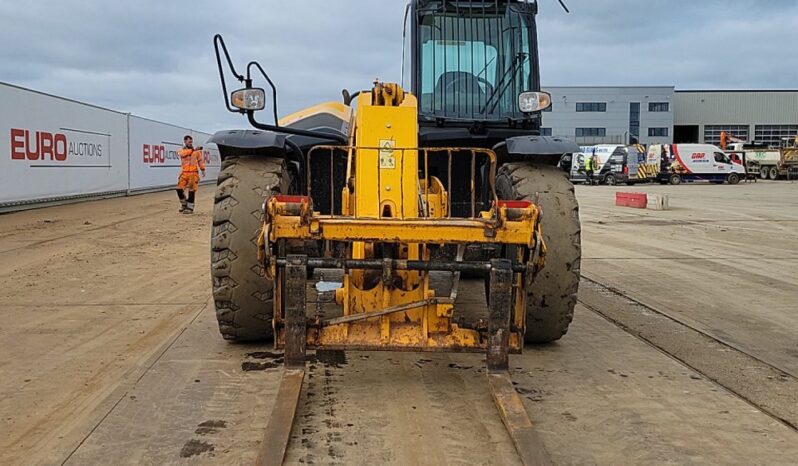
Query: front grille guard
x,y
424,153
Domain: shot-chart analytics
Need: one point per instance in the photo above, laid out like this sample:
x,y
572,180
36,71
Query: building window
x,y
712,132
773,135
634,121
659,107
658,132
591,106
545,131
591,132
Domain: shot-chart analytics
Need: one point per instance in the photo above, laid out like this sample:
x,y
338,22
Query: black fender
x,y
235,142
545,149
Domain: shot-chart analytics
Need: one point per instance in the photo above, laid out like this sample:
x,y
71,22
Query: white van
x,y
696,162
611,164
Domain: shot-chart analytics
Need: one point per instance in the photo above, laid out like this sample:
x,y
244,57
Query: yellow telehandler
x,y
445,172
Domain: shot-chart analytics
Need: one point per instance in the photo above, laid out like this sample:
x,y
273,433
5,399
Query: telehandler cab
x,y
444,173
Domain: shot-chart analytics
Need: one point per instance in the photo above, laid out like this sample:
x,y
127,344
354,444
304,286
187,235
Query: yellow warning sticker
x,y
387,157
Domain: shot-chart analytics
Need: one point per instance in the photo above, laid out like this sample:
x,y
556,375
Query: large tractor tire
x,y
552,297
242,293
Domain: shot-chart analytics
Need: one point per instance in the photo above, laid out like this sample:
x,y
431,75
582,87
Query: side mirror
x,y
249,99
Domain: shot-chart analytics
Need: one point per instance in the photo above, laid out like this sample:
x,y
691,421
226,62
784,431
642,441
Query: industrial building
x,y
764,117
612,115
662,114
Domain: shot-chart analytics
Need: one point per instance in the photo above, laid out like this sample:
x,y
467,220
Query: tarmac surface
x,y
684,348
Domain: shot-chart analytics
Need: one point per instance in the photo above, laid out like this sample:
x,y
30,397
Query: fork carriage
x,y
386,300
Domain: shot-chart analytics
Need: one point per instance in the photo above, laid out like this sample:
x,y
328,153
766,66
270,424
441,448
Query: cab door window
x,y
720,157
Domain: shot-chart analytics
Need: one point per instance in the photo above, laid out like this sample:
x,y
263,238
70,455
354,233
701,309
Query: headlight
x,y
249,99
530,102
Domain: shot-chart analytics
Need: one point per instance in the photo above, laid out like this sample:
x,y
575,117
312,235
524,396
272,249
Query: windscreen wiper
x,y
486,67
502,86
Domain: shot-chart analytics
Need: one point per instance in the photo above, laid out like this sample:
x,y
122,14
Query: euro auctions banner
x,y
53,148
154,162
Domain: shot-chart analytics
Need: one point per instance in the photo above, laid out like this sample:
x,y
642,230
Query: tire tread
x,y
552,296
242,294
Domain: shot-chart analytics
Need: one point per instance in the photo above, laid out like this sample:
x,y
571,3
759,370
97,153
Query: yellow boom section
x,y
387,180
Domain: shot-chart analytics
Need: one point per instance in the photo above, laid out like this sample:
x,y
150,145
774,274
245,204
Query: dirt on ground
x,y
111,353
90,292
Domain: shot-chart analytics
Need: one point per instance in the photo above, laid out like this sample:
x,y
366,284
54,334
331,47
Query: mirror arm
x,y
271,84
218,43
220,47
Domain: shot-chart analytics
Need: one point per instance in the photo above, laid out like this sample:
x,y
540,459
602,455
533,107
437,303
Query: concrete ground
x,y
724,259
683,349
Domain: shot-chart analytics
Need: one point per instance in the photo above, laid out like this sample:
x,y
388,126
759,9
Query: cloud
x,y
707,44
155,59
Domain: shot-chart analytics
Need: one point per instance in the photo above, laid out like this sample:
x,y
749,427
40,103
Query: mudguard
x,y
249,142
540,145
546,150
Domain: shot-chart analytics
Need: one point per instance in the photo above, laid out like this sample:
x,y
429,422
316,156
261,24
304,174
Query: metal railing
x,y
424,155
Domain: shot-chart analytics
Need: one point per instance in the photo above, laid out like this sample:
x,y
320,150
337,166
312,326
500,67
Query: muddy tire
x,y
552,296
241,292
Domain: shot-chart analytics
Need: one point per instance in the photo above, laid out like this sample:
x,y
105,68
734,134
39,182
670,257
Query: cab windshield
x,y
475,61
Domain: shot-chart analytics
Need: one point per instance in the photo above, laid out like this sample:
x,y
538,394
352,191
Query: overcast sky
x,y
155,58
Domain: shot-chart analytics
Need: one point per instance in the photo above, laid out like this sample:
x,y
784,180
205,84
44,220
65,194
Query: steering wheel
x,y
462,77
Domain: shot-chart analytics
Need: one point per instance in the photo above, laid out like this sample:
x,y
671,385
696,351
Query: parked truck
x,y
770,162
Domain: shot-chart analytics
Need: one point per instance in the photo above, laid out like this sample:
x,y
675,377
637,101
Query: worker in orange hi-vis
x,y
192,164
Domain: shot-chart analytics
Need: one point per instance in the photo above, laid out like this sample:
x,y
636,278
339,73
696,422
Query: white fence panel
x,y
56,148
